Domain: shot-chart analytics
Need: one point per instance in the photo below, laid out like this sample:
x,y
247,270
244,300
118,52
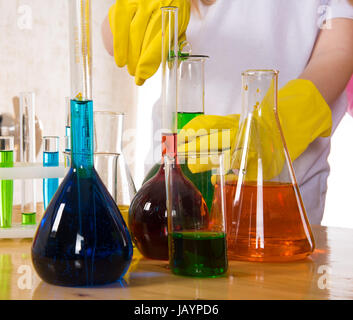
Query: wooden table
x,y
327,274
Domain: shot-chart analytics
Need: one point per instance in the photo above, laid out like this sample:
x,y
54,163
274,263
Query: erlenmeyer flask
x,y
82,239
266,219
148,219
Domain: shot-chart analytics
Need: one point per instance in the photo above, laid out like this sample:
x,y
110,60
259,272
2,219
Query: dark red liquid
x,y
148,219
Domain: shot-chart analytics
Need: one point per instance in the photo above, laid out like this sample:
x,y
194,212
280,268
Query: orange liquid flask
x,y
265,216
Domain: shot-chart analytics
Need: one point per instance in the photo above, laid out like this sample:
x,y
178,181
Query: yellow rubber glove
x,y
136,26
303,114
204,137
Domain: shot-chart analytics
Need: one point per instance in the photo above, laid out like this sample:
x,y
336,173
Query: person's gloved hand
x,y
204,137
303,114
136,26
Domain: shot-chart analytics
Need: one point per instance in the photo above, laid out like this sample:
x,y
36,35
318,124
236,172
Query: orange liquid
x,y
265,223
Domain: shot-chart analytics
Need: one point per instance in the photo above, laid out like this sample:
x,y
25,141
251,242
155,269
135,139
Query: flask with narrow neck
x,y
266,218
82,239
148,219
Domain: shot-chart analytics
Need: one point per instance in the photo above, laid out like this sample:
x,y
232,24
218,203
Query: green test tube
x,y
6,186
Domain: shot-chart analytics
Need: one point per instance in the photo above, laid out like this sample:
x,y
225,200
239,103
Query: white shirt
x,y
267,34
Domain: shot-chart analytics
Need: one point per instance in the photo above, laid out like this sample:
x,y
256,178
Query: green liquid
x,y
6,191
185,117
28,218
199,254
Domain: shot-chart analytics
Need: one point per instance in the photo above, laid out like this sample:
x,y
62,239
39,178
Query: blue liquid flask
x,y
82,239
50,159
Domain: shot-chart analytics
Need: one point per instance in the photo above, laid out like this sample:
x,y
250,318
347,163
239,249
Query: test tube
x,y
50,159
6,186
67,152
28,155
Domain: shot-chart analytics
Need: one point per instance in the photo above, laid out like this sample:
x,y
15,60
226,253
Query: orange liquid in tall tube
x,y
266,223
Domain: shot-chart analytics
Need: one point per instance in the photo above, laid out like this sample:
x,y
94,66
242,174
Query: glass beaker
x,y
82,239
197,236
6,186
50,159
266,219
109,159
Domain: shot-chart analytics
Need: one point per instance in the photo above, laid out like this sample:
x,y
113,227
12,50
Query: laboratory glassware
x,y
67,132
191,103
266,218
50,159
109,159
197,238
28,156
82,239
6,186
191,97
148,219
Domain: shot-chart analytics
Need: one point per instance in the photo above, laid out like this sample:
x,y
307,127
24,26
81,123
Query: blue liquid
x,y
50,159
82,239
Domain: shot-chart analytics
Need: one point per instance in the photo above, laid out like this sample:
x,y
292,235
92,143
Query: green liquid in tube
x,y
6,191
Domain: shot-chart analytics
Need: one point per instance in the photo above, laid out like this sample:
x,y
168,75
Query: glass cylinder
x,y
50,159
266,218
191,97
109,159
191,88
6,186
197,236
80,49
82,239
28,155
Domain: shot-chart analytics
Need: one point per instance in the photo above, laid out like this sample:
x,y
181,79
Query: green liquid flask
x,y
6,186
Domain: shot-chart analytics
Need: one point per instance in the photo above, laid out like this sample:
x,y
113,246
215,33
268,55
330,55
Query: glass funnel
x,y
82,239
109,159
266,219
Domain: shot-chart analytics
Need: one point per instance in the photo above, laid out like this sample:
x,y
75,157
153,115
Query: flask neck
x,y
82,136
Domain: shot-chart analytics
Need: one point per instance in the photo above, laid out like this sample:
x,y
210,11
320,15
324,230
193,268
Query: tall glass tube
x,y
6,186
148,221
28,155
191,88
80,49
82,239
50,159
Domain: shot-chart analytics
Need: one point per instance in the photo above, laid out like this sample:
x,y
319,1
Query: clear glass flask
x,y
28,155
109,159
50,159
6,186
82,239
148,219
266,219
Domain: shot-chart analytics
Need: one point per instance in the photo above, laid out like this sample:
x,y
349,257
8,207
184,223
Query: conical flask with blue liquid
x,y
82,239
